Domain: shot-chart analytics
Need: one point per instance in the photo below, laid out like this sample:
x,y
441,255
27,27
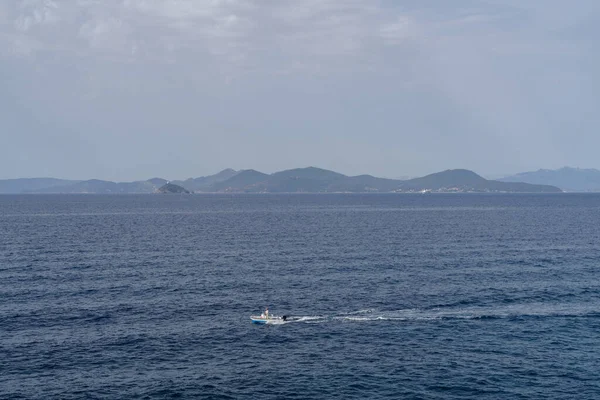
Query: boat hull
x,y
263,321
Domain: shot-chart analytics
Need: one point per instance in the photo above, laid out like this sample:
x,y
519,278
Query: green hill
x,y
171,188
204,182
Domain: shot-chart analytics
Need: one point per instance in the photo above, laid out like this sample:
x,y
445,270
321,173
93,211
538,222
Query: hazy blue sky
x,y
131,89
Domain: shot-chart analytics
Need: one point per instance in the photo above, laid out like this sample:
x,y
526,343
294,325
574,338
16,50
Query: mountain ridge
x,y
199,183
304,180
463,180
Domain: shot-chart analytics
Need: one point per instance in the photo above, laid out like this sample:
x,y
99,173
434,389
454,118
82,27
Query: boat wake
x,y
437,314
311,319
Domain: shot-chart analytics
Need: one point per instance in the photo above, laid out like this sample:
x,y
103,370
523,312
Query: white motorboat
x,y
266,318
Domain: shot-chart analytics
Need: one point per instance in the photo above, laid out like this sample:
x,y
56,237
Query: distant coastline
x,y
299,180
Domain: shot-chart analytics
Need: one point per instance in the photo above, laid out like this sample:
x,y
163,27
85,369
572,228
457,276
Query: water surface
x,y
398,296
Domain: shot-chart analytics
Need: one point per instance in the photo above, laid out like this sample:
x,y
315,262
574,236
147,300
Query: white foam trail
x,y
311,319
365,311
276,322
514,311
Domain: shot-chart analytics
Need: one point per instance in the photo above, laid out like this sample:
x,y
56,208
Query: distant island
x,y
299,180
171,188
567,178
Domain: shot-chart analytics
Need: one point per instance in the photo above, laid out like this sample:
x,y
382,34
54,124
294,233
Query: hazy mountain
x,y
313,179
309,179
567,178
248,180
205,182
31,184
451,178
462,180
311,173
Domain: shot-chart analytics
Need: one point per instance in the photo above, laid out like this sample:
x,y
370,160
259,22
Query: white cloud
x,y
294,29
282,37
36,12
226,28
399,31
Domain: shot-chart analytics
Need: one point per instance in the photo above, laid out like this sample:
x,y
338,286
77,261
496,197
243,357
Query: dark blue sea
x,y
435,296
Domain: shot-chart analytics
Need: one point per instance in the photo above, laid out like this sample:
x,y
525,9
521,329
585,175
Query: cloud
x,y
232,29
36,12
398,31
424,79
247,29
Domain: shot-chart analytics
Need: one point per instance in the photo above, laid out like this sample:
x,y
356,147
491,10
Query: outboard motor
x,y
285,317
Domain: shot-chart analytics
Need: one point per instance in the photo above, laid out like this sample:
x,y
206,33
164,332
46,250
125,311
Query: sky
x,y
132,89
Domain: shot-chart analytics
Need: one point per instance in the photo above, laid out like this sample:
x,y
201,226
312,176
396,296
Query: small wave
x,y
369,319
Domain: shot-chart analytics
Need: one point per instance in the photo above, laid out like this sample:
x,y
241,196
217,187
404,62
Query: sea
x,y
393,296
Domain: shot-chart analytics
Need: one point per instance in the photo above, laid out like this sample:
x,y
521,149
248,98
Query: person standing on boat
x,y
267,313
